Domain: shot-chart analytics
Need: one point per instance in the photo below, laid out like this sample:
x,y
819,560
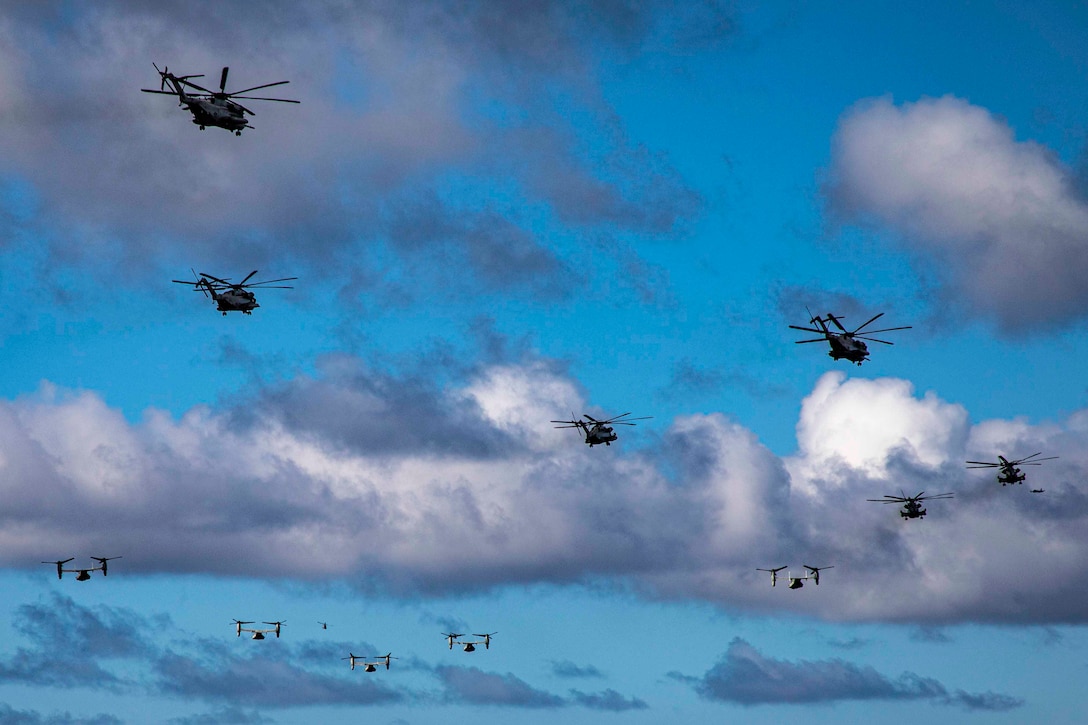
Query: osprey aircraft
x,y
370,666
796,582
470,646
83,574
257,633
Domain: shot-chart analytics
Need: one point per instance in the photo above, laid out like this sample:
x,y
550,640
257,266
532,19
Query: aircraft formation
x,y
222,109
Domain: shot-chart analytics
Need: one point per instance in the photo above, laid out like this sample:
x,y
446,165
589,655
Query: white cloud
x,y
1001,219
692,515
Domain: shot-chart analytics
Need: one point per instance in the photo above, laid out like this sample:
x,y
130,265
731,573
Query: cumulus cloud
x,y
467,487
415,124
1001,219
747,677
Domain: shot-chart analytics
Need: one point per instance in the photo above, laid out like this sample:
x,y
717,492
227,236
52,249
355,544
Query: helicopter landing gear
x,y
237,133
224,314
201,128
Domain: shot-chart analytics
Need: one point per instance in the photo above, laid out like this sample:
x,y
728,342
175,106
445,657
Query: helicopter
x,y
470,646
83,574
231,297
845,343
598,431
796,582
912,509
212,108
1009,472
257,633
370,666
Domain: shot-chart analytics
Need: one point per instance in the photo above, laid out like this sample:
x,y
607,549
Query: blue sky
x,y
500,214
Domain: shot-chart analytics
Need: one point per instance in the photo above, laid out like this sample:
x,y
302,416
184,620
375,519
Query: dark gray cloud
x,y
747,677
425,133
976,208
608,700
235,715
566,668
11,716
72,645
259,680
471,685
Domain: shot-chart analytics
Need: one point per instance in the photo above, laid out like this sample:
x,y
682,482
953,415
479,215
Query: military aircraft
x,y
1038,490
324,625
212,108
257,633
470,646
845,343
83,574
598,431
231,297
796,582
1009,472
912,509
370,666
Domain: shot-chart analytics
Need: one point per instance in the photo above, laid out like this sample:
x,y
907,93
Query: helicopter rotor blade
x,y
220,281
282,100
255,88
268,281
243,282
871,339
802,342
887,329
835,320
806,329
223,80
868,322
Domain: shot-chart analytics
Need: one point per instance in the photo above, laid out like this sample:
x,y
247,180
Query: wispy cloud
x,y
747,677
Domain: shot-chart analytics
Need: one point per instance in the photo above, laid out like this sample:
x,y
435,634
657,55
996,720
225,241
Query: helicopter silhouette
x,y
231,297
1009,472
845,343
370,666
83,574
469,646
598,431
912,508
796,582
212,108
257,633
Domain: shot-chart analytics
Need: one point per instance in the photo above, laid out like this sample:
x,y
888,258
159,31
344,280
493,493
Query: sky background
x,y
500,214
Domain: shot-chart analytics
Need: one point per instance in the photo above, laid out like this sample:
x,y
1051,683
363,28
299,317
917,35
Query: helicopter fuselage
x,y
597,434
848,348
913,511
219,112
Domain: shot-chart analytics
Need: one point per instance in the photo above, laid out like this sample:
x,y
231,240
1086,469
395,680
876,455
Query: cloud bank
x,y
422,488
1001,221
747,677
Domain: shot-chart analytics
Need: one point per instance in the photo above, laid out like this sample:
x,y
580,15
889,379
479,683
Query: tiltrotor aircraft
x,y
257,633
598,431
796,582
231,297
212,108
845,343
83,574
469,646
912,508
370,666
1009,472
